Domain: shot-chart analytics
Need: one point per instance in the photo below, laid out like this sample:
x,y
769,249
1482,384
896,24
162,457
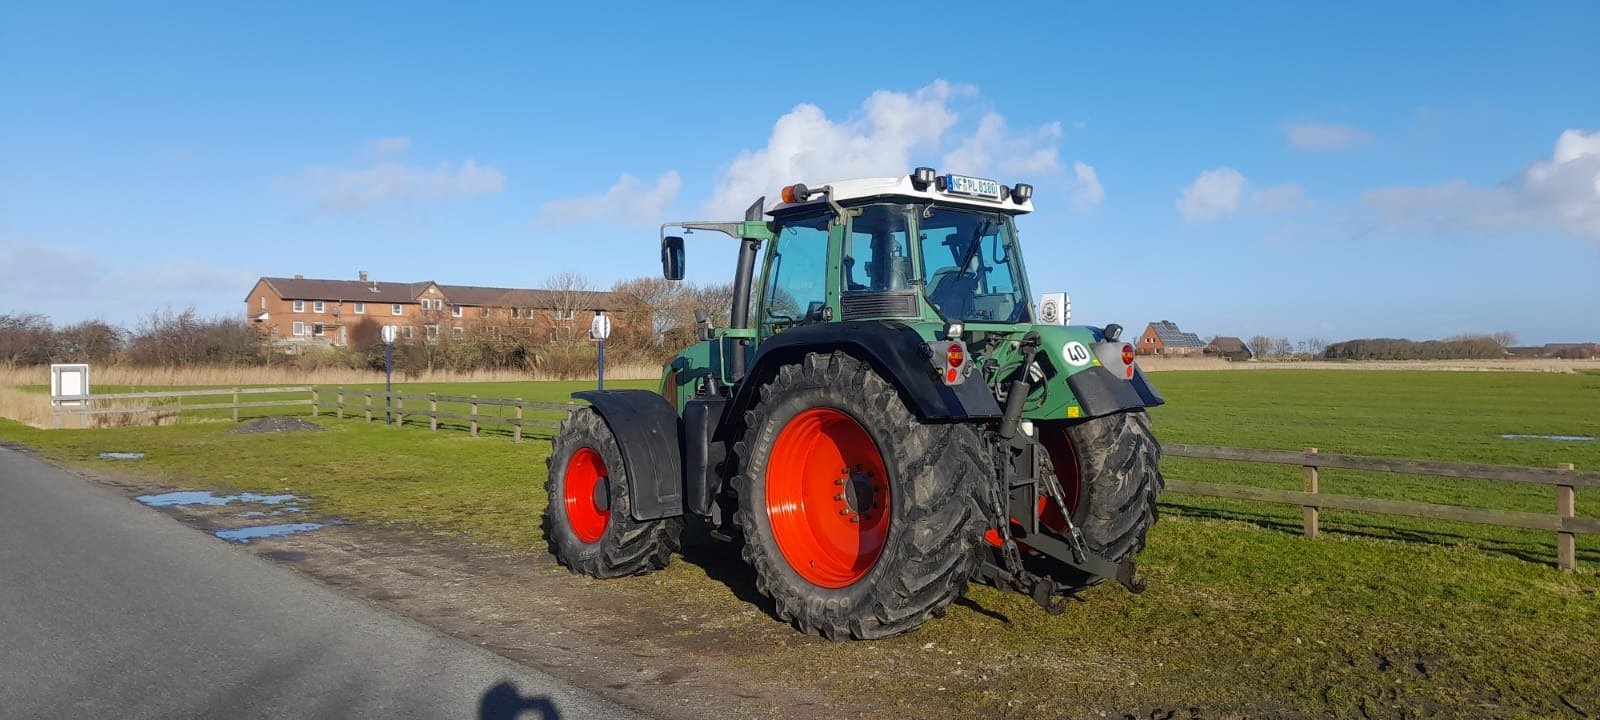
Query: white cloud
x,y
1318,136
995,150
1213,195
1562,192
1278,198
387,180
1087,192
70,283
628,201
881,139
389,145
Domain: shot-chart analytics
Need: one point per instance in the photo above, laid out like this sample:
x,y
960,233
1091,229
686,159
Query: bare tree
x,y
1316,346
1504,338
660,299
570,294
26,339
716,299
1260,345
1281,347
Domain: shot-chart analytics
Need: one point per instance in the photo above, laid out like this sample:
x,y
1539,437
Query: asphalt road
x,y
110,609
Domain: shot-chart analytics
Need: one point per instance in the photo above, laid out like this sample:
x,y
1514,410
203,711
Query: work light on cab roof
x,y
888,408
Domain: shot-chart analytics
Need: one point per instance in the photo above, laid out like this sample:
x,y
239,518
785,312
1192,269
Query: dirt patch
x,y
275,425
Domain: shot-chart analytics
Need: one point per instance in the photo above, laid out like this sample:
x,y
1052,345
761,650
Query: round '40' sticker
x,y
1075,354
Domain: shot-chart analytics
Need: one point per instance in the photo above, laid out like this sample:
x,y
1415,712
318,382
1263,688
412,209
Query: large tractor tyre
x,y
1109,468
860,521
588,521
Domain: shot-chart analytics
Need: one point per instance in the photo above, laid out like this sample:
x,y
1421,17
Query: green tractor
x,y
896,420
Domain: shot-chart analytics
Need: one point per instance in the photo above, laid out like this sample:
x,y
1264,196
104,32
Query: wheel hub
x,y
858,493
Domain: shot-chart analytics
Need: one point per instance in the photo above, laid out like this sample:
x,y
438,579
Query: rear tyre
x,y
588,520
1109,468
860,521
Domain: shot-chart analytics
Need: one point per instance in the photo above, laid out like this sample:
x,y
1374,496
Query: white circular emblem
x,y
1050,314
1075,354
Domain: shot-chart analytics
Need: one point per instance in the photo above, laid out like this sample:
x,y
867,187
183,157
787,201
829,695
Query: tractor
x,y
896,419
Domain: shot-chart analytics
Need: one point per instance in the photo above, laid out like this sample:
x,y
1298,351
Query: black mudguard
x,y
1101,393
895,351
646,428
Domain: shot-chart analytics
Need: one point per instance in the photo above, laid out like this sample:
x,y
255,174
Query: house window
x,y
299,306
318,307
263,302
405,332
561,314
456,310
394,309
432,331
361,308
299,328
458,331
316,329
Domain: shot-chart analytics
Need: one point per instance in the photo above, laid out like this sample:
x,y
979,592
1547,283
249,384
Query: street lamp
x,y
388,371
599,330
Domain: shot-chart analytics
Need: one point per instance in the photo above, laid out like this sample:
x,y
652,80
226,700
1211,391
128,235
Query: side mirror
x,y
672,257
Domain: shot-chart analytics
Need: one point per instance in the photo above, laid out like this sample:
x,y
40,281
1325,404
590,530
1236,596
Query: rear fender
x,y
647,432
896,352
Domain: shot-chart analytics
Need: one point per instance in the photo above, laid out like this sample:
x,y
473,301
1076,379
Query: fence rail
x,y
1564,478
392,404
84,406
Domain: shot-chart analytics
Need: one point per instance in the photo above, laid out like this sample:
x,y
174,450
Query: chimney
x,y
299,277
362,275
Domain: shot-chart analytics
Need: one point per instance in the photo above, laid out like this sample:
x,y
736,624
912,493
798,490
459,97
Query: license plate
x,y
963,185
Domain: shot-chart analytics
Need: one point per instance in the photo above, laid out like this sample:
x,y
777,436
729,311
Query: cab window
x,y
797,273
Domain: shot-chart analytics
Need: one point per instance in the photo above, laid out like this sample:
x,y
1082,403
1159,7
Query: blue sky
x,y
1336,171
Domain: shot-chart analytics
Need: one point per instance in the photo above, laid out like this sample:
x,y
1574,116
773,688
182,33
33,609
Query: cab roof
x,y
847,192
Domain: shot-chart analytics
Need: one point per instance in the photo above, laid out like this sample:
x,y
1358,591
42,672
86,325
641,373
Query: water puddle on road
x,y
205,497
245,534
1557,438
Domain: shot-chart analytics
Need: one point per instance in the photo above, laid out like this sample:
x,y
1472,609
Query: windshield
x,y
970,267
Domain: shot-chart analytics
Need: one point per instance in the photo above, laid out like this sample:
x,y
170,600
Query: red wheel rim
x,y
586,475
1065,461
828,497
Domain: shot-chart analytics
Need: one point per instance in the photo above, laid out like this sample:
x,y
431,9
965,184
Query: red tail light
x,y
956,355
1127,354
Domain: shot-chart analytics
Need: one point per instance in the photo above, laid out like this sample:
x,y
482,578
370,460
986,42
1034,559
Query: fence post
x,y
433,412
368,394
314,408
1311,519
340,409
399,410
474,414
236,404
516,431
1566,506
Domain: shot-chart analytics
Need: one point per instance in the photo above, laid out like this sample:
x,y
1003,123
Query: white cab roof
x,y
845,191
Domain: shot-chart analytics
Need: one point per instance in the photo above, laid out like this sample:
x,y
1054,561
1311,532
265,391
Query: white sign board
x,y
388,334
1055,309
69,383
600,327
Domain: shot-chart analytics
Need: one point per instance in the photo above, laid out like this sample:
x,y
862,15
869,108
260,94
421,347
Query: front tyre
x,y
860,521
588,520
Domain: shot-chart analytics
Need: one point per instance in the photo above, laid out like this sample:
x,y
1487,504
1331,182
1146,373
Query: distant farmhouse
x,y
1229,348
1564,351
302,312
1164,338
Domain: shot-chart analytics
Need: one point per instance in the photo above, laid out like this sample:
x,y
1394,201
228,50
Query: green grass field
x,y
1383,615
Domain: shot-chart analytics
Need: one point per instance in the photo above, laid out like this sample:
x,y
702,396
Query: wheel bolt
x,y
840,498
844,511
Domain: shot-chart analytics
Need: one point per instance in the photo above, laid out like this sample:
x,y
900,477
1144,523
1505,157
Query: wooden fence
x,y
1563,478
168,402
373,403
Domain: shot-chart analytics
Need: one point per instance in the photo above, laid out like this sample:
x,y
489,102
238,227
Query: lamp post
x,y
599,330
388,372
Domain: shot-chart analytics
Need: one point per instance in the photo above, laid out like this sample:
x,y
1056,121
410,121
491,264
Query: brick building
x,y
1164,338
301,311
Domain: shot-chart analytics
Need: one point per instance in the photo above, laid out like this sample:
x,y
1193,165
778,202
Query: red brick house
x,y
301,311
1164,338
